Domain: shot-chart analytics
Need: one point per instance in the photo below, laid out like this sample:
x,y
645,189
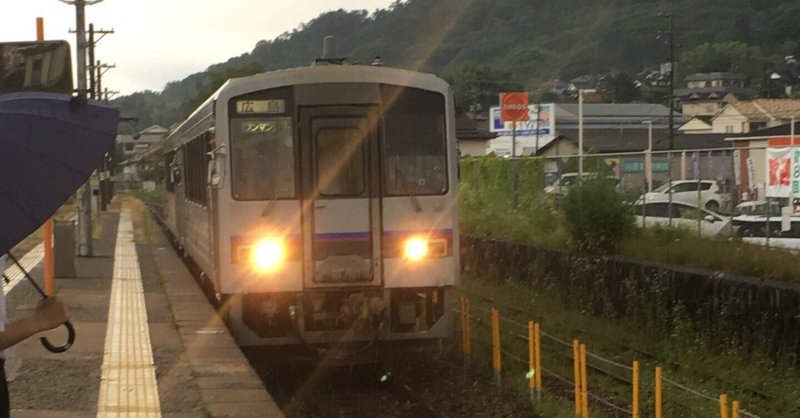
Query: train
x,y
321,203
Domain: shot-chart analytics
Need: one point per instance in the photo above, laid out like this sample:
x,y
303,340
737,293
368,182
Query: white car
x,y
684,215
710,197
561,186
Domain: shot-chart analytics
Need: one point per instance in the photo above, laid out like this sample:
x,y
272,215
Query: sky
x,y
158,41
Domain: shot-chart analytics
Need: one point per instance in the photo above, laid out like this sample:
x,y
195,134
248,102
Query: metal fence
x,y
699,189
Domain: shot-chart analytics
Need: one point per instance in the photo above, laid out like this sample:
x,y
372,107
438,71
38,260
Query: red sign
x,y
779,171
513,107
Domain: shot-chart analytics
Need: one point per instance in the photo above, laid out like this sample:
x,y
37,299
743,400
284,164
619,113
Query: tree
x,y
619,88
734,57
478,84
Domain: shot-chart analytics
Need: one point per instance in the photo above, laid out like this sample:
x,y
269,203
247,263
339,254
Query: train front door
x,y
342,198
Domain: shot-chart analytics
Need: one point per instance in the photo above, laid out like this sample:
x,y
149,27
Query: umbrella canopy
x,y
49,145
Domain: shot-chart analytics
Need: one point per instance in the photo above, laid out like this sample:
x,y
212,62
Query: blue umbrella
x,y
49,145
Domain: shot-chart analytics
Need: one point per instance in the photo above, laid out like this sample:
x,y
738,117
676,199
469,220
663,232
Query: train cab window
x,y
262,158
415,148
340,161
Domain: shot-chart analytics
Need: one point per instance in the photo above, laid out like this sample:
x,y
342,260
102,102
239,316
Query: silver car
x,y
682,215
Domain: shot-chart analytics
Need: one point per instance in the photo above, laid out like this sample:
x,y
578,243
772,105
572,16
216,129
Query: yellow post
x,y
635,403
584,383
49,269
735,410
576,363
658,392
538,350
723,406
496,345
532,359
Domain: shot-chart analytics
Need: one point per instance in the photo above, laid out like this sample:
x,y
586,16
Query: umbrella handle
x,y
70,339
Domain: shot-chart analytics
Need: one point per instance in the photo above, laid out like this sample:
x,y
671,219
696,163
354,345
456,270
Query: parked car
x,y
684,215
561,186
712,195
751,222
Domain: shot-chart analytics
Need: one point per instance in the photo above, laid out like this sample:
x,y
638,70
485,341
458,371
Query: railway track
x,y
522,314
305,389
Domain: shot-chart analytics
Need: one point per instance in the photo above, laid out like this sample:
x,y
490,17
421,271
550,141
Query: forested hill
x,y
511,43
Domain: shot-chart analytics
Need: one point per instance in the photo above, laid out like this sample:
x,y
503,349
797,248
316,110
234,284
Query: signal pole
x,y
85,193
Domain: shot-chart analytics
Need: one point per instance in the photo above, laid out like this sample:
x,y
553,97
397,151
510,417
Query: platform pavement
x,y
200,371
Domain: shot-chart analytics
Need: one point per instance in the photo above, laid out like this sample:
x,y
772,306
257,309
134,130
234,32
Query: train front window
x,y
415,150
340,162
262,158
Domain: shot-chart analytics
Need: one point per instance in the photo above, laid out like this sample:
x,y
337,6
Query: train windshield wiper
x,y
409,193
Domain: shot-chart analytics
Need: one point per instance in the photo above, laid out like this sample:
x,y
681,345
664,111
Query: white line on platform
x,y
29,261
128,385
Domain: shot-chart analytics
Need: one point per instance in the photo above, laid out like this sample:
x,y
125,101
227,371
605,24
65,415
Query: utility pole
x,y
95,92
85,193
670,34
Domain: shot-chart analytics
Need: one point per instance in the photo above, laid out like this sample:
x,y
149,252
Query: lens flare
x,y
268,254
416,248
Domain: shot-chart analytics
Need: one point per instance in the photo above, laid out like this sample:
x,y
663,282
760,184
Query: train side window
x,y
414,137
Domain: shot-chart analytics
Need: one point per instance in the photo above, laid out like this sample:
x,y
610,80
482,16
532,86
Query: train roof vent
x,y
329,53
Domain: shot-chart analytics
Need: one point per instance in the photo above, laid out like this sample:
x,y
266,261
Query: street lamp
x,y
580,130
648,162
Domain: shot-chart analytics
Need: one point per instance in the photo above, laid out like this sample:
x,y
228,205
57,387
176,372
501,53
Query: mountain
x,y
488,45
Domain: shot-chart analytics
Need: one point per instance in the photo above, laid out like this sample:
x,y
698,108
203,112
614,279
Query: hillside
x,y
494,44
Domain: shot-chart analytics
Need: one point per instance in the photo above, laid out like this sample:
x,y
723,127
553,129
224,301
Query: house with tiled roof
x,y
752,115
471,133
706,94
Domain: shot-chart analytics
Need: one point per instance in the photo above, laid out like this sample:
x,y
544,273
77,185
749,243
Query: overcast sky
x,y
157,41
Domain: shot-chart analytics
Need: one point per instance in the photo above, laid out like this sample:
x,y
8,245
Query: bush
x,y
597,216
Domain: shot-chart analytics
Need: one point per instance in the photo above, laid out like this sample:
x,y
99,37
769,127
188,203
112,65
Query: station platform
x,y
148,343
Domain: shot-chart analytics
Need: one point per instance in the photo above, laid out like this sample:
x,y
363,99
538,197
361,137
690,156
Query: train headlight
x,y
415,248
268,254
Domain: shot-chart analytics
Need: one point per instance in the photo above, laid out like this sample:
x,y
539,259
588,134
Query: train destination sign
x,y
257,127
246,107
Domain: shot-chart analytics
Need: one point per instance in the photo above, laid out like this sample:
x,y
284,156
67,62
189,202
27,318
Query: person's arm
x,y
48,315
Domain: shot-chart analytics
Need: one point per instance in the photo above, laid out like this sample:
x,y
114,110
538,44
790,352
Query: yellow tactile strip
x,y
128,384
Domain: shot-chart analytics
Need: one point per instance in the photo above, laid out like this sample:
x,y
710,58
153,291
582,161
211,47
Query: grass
x,y
765,388
729,255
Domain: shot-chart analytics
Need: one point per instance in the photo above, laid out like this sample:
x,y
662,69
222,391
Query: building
x,y
751,155
563,119
134,144
131,147
471,133
706,94
753,115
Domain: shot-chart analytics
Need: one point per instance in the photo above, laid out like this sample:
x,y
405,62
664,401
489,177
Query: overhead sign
x,y
514,107
35,66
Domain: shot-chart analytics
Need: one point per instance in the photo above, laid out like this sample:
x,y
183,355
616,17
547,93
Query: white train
x,y
321,203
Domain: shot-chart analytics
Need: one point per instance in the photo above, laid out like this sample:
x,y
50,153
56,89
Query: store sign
x,y
638,166
514,107
779,172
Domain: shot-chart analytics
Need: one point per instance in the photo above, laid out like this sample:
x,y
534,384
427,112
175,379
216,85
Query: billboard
x,y
546,125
